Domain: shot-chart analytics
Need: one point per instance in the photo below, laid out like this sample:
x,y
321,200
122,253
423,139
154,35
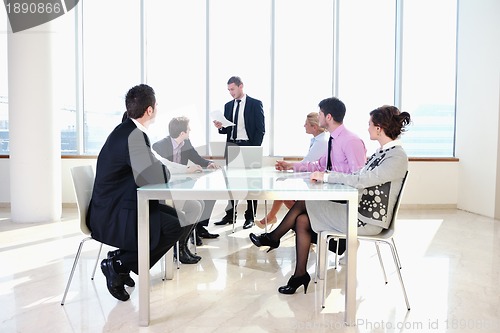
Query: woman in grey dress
x,y
379,183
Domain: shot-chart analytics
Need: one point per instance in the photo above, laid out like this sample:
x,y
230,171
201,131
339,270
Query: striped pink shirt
x,y
348,154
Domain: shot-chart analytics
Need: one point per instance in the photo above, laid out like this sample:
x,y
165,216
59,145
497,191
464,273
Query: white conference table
x,y
245,184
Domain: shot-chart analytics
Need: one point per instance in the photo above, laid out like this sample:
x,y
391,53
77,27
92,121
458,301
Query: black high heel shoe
x,y
294,283
264,240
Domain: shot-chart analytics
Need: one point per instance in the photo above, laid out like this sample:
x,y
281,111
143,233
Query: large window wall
x,y
366,61
111,64
429,75
303,70
4,92
289,53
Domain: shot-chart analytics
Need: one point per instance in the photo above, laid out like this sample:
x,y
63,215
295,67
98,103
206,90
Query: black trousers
x,y
231,204
207,212
170,234
249,212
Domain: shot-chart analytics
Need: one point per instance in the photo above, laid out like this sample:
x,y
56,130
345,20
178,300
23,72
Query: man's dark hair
x,y
138,99
333,106
178,125
236,80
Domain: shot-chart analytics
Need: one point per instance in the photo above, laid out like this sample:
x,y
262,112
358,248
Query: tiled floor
x,y
451,269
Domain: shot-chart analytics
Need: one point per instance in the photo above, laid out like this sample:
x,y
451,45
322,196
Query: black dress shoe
x,y
114,281
248,224
224,221
186,257
207,235
192,255
126,278
199,242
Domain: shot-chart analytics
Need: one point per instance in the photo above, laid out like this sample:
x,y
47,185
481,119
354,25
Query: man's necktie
x,y
329,163
235,121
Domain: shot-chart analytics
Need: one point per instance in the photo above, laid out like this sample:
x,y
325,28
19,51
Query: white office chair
x,y
83,183
386,236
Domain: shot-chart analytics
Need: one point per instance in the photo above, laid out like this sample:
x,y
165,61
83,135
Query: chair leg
x,y
164,267
168,273
396,258
320,263
96,262
381,262
325,269
397,254
194,238
177,249
234,213
77,257
316,272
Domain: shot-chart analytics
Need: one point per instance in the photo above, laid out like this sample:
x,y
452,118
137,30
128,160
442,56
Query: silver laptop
x,y
217,148
244,157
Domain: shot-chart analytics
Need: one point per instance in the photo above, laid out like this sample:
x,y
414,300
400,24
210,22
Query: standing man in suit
x,y
125,163
177,148
247,114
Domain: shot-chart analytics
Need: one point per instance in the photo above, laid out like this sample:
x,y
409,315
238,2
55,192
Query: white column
x,y
35,157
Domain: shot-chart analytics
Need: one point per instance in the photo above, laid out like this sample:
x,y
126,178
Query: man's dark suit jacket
x,y
254,120
125,163
165,149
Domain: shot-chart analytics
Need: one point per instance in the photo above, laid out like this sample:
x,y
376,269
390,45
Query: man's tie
x,y
235,121
329,163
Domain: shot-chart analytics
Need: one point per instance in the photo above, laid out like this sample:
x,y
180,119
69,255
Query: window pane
x,y
366,61
240,44
303,69
65,79
4,92
111,65
429,76
176,65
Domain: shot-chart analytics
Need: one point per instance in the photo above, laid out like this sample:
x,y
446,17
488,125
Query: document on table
x,y
219,116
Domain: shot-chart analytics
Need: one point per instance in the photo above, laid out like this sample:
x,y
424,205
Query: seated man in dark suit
x,y
178,148
125,163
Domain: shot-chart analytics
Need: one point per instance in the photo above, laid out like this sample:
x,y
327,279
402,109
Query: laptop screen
x,y
244,157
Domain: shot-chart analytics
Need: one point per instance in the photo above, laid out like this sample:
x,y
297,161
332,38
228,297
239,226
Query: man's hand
x,y
213,166
194,168
282,165
217,124
317,177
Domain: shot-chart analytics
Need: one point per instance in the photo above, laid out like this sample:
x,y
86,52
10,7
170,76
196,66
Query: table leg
x,y
265,212
143,253
351,253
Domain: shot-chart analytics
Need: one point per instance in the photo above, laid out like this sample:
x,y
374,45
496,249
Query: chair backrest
x,y
83,183
392,226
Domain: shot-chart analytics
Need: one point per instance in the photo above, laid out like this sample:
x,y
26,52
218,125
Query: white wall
x,y
478,98
4,182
